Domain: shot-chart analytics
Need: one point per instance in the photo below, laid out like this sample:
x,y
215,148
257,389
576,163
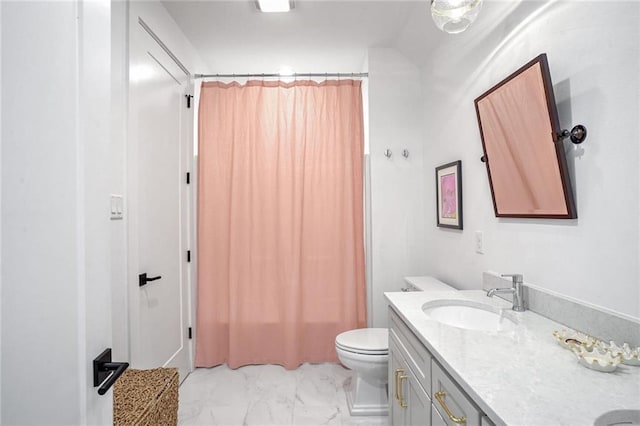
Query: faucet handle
x,y
517,278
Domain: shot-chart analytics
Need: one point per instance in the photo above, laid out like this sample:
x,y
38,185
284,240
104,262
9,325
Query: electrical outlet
x,y
479,245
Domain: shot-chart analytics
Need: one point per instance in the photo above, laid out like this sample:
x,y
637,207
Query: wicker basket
x,y
146,398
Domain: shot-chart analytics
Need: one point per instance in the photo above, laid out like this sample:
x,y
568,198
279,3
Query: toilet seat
x,y
361,351
365,341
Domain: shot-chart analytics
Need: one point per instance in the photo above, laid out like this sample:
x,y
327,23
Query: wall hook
x,y
388,153
405,153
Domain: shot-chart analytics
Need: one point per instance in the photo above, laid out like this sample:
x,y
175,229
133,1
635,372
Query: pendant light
x,y
455,16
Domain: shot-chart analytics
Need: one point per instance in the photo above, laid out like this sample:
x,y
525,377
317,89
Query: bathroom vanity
x,y
420,391
509,373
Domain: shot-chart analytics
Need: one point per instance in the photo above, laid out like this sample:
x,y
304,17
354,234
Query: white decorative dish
x,y
628,355
570,339
597,359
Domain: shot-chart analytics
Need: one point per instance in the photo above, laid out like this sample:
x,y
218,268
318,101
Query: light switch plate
x,y
116,207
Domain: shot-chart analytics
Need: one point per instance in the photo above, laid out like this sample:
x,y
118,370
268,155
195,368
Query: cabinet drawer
x,y
417,356
450,401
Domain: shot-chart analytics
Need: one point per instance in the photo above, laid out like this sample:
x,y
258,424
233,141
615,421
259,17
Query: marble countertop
x,y
523,376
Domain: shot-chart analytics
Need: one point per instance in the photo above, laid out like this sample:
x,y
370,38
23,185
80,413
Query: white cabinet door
x,y
409,404
396,367
418,403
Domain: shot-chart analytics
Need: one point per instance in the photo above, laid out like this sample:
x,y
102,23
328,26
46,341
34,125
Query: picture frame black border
x,y
458,167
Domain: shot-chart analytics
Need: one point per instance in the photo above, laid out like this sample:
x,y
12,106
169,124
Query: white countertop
x,y
520,377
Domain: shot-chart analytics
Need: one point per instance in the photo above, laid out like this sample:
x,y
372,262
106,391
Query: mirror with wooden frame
x,y
523,146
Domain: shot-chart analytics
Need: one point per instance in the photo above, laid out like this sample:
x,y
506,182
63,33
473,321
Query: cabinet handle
x,y
398,371
440,398
399,378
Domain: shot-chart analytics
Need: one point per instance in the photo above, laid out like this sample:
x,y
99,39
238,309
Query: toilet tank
x,y
425,283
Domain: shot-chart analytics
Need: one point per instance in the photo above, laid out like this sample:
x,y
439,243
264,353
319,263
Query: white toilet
x,y
366,352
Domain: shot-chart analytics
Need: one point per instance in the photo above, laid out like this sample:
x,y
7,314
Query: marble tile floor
x,y
265,395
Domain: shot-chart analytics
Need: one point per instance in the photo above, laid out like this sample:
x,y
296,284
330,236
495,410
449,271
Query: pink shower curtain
x,y
280,221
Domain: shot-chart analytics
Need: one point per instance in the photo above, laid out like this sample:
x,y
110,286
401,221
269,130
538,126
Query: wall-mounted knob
x,y
388,153
577,135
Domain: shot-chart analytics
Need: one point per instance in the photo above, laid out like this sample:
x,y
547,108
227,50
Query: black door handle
x,y
105,372
143,280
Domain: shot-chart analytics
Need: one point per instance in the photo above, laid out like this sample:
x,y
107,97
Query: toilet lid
x,y
364,340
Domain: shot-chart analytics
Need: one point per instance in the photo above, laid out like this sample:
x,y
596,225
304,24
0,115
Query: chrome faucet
x,y
516,290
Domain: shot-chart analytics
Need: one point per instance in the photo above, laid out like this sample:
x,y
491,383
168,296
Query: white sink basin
x,y
619,417
469,315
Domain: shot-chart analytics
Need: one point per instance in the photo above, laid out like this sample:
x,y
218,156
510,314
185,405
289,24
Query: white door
x,y
158,147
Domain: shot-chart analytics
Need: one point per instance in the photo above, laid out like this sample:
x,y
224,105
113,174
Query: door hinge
x,y
188,100
190,333
189,256
188,178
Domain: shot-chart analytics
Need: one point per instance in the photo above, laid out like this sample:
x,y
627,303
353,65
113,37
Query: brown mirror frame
x,y
523,146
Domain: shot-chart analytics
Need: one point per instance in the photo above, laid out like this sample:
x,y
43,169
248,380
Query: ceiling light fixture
x,y
269,6
454,16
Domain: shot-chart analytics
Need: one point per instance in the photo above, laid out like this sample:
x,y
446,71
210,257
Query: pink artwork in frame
x,y
448,203
449,195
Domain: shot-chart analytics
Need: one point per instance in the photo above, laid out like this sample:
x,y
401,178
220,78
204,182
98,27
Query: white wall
x,y
39,241
56,313
397,184
594,56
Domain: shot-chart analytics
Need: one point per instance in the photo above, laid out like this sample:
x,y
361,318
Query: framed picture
x,y
449,195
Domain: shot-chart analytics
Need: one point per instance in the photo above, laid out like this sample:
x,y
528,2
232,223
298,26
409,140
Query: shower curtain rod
x,y
296,75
